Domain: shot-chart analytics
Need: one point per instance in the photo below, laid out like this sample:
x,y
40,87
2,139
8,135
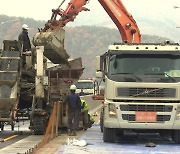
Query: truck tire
x,y
109,135
101,119
176,136
12,126
120,132
2,126
164,133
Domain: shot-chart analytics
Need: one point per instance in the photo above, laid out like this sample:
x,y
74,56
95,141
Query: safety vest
x,y
92,118
84,105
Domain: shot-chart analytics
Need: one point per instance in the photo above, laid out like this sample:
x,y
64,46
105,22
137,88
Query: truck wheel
x,y
109,135
101,119
101,126
176,136
12,127
164,133
120,132
2,126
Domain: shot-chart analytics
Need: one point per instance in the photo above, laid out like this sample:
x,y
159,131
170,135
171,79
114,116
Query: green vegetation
x,y
84,41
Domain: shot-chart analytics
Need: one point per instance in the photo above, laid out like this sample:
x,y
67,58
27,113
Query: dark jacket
x,y
24,38
73,101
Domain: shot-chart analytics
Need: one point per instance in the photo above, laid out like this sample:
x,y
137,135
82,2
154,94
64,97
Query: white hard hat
x,y
73,87
24,26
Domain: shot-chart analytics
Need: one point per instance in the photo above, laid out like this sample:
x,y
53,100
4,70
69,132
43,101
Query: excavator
x,y
52,35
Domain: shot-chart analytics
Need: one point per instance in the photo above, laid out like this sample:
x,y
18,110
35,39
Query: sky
x,y
152,16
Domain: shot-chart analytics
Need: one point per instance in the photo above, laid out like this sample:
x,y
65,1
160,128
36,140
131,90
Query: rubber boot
x,y
73,133
69,132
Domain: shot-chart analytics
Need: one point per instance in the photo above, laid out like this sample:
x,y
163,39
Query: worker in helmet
x,y
84,113
74,109
24,39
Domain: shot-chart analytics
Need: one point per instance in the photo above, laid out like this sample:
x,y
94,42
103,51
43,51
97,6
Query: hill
x,y
82,41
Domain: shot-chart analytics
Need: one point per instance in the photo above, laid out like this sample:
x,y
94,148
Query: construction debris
x,y
75,142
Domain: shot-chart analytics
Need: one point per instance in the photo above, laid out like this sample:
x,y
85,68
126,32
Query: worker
x,y
74,109
24,39
84,114
91,120
81,93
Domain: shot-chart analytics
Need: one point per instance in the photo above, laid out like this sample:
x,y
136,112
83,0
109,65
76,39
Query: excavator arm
x,y
123,20
52,35
67,15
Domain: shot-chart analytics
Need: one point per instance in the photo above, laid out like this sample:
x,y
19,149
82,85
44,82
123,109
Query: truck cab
x,y
142,86
86,87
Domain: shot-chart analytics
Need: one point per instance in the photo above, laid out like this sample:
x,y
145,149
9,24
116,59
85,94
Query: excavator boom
x,y
123,20
52,35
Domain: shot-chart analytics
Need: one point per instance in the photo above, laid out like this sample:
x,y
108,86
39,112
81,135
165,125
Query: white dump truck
x,y
87,87
142,89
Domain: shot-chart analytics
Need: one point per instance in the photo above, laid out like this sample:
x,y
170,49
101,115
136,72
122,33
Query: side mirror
x,y
99,74
98,65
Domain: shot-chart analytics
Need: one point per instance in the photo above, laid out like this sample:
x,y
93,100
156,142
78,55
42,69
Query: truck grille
x,y
146,92
152,108
160,118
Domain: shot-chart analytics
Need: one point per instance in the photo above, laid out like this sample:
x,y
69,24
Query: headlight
x,y
112,110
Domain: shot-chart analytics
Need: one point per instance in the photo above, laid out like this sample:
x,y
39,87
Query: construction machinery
x,y
9,83
35,86
52,35
141,82
51,40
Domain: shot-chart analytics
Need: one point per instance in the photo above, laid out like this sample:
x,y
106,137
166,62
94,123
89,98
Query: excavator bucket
x,y
53,42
